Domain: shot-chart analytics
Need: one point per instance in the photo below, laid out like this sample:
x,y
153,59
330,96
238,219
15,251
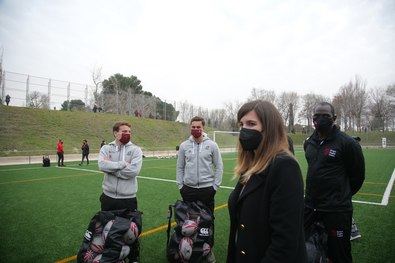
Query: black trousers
x,y
338,228
85,156
60,159
108,204
205,195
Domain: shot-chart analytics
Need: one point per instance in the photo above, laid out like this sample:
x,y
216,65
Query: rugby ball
x,y
125,250
97,244
206,249
189,228
185,248
107,228
97,259
89,255
98,228
131,234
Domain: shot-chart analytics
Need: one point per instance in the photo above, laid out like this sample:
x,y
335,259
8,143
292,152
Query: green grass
x,y
45,211
26,131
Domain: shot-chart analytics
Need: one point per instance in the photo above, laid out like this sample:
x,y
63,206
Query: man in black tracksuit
x,y
336,171
85,152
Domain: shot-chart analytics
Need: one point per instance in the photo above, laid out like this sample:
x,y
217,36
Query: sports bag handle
x,y
170,212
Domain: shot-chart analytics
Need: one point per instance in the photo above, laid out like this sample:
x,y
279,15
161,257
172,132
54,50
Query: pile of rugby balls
x,y
94,253
188,230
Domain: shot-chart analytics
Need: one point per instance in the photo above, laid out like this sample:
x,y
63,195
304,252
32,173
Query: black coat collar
x,y
255,181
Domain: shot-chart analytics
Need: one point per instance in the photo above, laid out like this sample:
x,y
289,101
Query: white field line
x,y
21,169
365,202
231,188
387,192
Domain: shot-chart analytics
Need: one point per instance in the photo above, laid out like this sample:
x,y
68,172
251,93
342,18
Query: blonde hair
x,y
274,141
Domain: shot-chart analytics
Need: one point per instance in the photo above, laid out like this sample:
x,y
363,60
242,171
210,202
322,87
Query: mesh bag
x,y
192,237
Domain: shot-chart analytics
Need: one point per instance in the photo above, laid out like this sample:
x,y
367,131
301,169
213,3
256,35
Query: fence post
x,y
27,90
2,85
86,95
68,96
49,93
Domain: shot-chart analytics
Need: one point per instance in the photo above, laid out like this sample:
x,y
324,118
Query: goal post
x,y
226,140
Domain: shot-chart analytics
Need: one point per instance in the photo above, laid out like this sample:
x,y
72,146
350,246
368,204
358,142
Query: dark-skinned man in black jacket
x,y
336,171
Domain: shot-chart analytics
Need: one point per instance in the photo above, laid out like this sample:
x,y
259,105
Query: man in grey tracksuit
x,y
121,162
199,166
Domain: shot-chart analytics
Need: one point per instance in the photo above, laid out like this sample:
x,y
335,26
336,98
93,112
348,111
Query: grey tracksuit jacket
x,y
121,165
199,165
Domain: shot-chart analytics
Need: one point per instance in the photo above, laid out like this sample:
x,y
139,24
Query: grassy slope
x,y
35,131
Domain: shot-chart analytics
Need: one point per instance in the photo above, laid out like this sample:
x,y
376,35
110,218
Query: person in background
x,y
266,207
103,142
60,152
85,152
121,162
336,171
199,168
7,99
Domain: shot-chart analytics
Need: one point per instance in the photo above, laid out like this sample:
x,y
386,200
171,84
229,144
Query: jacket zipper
x,y
197,164
119,158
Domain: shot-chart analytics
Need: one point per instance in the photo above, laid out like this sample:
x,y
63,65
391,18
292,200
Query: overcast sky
x,y
205,52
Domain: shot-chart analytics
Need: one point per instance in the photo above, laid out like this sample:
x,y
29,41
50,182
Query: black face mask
x,y
323,124
250,139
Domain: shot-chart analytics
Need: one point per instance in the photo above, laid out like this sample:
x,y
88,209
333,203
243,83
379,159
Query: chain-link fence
x,y
39,92
33,91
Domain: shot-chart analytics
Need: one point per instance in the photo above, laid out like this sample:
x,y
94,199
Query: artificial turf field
x,y
45,211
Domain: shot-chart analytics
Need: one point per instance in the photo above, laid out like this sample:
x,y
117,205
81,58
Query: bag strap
x,y
170,215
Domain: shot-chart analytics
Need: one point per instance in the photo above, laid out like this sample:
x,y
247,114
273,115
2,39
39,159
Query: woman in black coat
x,y
266,207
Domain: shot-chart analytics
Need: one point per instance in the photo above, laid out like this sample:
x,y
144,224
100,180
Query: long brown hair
x,y
274,141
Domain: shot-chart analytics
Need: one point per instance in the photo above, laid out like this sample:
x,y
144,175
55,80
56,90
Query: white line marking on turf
x,y
365,202
387,192
142,177
20,169
231,188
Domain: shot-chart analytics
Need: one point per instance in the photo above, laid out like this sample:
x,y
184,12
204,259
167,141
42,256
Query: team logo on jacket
x,y
329,152
207,147
129,153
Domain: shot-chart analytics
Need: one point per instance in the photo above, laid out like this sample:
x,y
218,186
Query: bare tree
x,y
217,117
391,95
380,108
38,100
287,104
309,102
345,101
231,109
350,102
185,111
361,98
262,94
1,75
97,81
